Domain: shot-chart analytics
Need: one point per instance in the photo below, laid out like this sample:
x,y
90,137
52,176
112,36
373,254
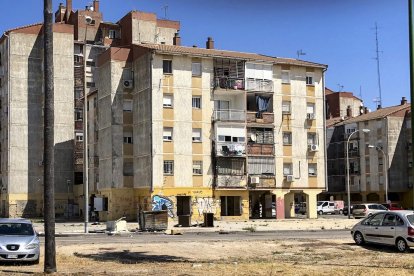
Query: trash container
x,y
184,220
153,220
208,219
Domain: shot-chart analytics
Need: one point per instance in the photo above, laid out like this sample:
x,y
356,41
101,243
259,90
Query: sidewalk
x,y
77,228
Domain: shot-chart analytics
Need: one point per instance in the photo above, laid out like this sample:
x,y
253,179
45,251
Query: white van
x,y
329,207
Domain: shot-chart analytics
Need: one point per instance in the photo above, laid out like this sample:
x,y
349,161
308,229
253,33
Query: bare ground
x,y
304,257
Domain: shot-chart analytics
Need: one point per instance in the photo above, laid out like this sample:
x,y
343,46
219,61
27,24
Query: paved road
x,y
207,236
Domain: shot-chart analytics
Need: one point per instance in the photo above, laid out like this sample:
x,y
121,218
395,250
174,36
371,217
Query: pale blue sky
x,y
338,33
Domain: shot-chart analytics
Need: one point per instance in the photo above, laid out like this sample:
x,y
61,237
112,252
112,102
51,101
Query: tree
x,y
49,171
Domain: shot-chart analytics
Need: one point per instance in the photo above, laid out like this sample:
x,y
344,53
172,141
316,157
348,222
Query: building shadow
x,y
128,257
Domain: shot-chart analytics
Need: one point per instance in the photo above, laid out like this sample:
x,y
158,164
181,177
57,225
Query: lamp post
x,y
386,169
347,167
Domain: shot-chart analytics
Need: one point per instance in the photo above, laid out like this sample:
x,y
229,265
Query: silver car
x,y
389,227
367,209
18,241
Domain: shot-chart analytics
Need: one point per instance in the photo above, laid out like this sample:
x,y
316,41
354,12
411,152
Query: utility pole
x,y
411,37
49,159
378,65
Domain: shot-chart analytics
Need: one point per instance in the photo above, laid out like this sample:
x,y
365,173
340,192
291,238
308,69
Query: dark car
x,y
345,210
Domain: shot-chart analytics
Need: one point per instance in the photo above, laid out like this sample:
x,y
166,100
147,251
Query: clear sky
x,y
339,33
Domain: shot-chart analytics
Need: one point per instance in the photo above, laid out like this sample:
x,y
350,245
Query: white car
x,y
388,227
18,241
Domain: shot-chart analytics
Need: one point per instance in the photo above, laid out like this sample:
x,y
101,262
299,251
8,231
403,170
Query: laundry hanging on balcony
x,y
262,104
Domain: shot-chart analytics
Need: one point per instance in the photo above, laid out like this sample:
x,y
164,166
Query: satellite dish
x,y
88,19
253,137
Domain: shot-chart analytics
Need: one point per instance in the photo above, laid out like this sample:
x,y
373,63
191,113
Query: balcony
x,y
231,181
262,118
262,182
230,115
230,149
260,149
229,83
259,85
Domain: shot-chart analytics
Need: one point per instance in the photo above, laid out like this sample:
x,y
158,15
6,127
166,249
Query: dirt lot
x,y
304,257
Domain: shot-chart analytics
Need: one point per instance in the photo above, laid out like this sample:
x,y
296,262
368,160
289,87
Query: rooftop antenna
x,y
378,65
360,92
165,8
340,87
300,53
377,102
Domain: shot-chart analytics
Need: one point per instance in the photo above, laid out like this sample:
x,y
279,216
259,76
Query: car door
x,y
331,208
372,229
387,229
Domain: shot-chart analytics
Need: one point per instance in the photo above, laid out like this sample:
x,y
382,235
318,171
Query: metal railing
x,y
230,149
259,85
229,115
231,181
229,83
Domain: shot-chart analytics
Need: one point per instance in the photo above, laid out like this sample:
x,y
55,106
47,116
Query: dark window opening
x,y
183,205
167,66
230,205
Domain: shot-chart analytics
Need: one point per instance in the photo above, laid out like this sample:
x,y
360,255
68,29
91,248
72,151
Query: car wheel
x,y
359,238
320,213
401,245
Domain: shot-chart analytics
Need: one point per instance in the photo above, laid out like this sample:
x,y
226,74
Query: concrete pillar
x,y
290,205
311,201
280,203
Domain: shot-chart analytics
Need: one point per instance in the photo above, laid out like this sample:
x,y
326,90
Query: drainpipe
x,y
8,112
151,129
324,129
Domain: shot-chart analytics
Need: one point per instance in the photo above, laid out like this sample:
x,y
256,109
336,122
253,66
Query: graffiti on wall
x,y
206,205
160,203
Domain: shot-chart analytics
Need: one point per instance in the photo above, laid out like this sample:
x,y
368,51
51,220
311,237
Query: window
x,y
196,102
78,50
167,134
228,138
312,169
389,220
286,107
77,59
127,138
287,138
377,219
78,94
113,34
230,166
128,105
285,77
78,114
379,124
128,168
168,167
90,84
197,167
79,137
260,135
90,63
287,169
230,205
167,101
309,79
310,108
196,69
167,66
261,166
196,134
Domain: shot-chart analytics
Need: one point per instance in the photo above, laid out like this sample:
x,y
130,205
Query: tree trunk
x,y
49,171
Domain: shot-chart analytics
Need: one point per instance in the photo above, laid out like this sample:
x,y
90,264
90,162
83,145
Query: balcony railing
x,y
229,83
265,182
230,115
260,149
230,149
264,117
259,85
231,181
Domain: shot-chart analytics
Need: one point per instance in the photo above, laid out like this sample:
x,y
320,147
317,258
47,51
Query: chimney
x,y
60,14
96,5
378,106
210,43
366,111
349,111
403,101
68,9
177,39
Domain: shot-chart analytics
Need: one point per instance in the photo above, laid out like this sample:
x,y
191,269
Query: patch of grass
x,y
250,229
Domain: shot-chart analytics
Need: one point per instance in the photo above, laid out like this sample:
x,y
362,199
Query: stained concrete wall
x,y
147,31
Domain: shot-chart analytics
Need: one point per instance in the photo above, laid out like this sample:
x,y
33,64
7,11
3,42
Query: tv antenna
x,y
340,87
377,102
300,53
165,8
378,65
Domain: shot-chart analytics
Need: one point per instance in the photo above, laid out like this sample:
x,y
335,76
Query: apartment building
x,y
383,151
187,129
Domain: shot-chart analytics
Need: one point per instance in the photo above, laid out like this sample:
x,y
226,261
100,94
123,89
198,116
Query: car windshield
x,y
411,219
382,207
320,203
16,229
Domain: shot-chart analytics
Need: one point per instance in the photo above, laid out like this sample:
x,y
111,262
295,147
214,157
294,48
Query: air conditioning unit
x,y
128,84
289,178
254,180
310,116
313,147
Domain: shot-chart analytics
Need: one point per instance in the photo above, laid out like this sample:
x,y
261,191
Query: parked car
x,y
345,210
18,241
302,208
330,207
392,206
388,227
367,209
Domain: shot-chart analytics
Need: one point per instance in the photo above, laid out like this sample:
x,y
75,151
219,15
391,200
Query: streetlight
x,y
386,169
347,167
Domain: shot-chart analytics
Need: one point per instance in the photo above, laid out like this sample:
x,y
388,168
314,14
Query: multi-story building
x,y
369,166
186,129
342,104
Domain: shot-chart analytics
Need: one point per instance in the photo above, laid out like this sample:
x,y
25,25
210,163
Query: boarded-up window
x,y
261,165
230,205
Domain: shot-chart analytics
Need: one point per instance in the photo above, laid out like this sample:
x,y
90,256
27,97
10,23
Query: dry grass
x,y
310,257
